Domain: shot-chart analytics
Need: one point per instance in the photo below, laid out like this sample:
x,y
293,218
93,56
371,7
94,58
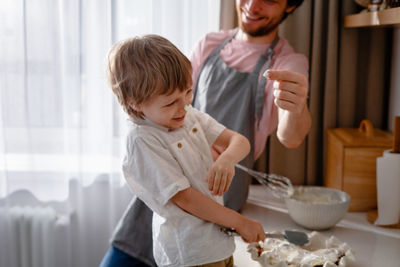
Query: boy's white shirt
x,y
161,162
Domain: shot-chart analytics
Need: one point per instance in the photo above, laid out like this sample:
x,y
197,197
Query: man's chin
x,y
258,32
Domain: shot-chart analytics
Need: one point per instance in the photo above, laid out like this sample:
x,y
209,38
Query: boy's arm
x,y
203,207
234,147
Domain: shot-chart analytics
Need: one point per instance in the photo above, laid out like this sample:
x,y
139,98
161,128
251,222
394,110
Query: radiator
x,y
33,237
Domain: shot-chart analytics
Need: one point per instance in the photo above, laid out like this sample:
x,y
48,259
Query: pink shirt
x,y
243,57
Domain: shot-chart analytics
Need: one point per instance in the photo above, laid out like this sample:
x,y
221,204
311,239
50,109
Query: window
x,y
58,117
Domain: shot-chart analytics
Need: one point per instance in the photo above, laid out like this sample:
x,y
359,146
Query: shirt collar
x,y
148,122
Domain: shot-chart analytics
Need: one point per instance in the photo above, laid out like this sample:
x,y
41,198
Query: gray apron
x,y
133,234
233,98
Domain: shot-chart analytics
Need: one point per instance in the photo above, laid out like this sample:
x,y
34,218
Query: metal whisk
x,y
279,185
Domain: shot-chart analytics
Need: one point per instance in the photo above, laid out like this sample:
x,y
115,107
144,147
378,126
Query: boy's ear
x,y
133,105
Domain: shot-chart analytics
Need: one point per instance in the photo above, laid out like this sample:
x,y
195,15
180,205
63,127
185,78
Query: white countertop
x,y
373,246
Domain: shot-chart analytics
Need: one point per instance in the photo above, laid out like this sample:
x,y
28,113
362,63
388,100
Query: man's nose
x,y
254,6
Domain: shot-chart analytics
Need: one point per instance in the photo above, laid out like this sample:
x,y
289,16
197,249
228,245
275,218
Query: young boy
x,y
168,164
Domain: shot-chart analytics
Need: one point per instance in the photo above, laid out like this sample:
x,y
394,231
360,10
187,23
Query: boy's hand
x,y
219,176
251,231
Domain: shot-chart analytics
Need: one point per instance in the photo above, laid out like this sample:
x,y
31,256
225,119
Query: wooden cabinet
x,y
351,162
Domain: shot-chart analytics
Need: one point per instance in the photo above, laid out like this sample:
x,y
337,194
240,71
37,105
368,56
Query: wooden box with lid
x,y
351,162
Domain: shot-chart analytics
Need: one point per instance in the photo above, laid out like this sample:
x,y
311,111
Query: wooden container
x,y
351,162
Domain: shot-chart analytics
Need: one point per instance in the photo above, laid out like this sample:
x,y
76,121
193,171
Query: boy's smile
x,y
167,110
180,118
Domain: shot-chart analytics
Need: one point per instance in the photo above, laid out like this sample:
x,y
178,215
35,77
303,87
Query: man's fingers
x,y
290,87
285,105
285,96
284,75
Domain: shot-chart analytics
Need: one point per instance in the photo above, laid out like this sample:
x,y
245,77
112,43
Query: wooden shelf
x,y
387,17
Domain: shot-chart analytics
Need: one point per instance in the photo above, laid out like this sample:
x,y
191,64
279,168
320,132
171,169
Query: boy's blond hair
x,y
142,67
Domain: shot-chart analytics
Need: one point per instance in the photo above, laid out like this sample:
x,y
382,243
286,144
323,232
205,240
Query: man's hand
x,y
291,89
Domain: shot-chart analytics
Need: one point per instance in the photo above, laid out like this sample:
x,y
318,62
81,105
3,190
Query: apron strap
x,y
222,45
260,91
212,55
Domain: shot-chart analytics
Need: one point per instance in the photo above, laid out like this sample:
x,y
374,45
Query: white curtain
x,y
59,122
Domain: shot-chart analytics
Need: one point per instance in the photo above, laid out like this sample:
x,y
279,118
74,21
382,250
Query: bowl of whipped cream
x,y
317,207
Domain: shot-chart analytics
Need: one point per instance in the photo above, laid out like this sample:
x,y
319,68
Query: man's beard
x,y
261,31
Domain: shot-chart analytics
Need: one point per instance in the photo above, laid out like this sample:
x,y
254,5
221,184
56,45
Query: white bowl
x,y
317,208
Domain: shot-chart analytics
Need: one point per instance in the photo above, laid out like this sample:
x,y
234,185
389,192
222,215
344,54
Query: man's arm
x,y
291,93
203,207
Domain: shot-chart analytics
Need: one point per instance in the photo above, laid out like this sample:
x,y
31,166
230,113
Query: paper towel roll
x,y
388,187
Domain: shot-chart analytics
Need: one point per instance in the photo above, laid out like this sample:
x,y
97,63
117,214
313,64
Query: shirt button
x,y
179,145
194,130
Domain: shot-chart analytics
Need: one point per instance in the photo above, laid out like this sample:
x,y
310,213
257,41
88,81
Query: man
x,y
228,68
227,75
